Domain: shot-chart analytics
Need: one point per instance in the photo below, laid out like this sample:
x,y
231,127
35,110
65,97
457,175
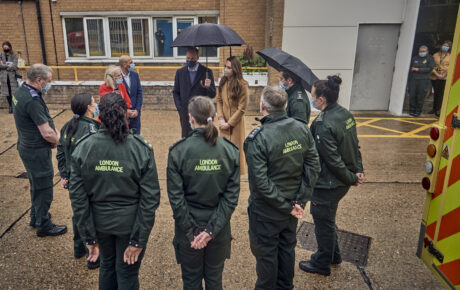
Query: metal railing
x,y
137,68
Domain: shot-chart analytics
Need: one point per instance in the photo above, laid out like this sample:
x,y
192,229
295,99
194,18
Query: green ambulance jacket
x,y
298,105
283,165
114,188
334,131
64,155
203,183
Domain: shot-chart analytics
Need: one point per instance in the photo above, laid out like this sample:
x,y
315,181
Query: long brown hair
x,y
203,111
236,82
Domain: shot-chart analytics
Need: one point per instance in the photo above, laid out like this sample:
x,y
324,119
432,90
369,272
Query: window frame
x,y
151,58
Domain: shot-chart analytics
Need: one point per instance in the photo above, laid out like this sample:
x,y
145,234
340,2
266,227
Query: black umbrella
x,y
281,60
207,35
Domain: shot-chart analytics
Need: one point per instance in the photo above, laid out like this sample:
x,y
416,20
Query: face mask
x,y
119,81
46,88
227,73
283,86
445,48
313,104
191,126
131,67
96,113
191,63
422,54
6,50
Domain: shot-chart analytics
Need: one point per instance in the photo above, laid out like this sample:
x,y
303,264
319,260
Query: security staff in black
x,y
283,165
114,192
298,104
203,188
36,137
334,131
419,80
82,123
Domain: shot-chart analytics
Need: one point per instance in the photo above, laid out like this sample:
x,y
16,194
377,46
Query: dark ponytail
x,y
329,88
113,116
203,111
79,105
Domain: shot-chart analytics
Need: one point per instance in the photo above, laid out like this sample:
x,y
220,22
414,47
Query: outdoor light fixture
x,y
434,133
431,150
428,167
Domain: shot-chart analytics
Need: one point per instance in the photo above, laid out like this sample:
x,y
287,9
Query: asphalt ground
x,y
388,208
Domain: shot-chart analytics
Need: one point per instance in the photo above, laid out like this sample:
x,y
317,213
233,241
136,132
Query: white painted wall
x,y
324,34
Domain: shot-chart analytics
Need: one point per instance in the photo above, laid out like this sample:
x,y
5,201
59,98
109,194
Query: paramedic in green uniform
x,y
283,166
36,137
203,188
84,109
298,104
334,131
419,80
114,192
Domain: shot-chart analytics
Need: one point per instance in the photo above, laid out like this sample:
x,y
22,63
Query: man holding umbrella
x,y
191,80
298,105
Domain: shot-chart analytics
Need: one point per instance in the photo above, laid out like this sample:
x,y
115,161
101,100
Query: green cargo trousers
x,y
207,263
323,208
418,90
39,167
273,245
114,273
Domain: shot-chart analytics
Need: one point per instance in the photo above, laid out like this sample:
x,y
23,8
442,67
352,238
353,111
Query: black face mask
x,y
6,50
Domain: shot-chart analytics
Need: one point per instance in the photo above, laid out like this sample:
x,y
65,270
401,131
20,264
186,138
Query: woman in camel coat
x,y
232,102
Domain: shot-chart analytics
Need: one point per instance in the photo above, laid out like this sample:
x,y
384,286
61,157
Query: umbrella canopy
x,y
208,34
281,60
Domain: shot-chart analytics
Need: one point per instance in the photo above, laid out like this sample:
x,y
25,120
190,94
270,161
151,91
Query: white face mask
x,y
227,73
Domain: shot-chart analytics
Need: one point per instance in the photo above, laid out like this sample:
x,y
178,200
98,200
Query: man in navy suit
x,y
191,80
134,89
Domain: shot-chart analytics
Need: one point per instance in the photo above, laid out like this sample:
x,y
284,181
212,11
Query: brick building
x,y
96,33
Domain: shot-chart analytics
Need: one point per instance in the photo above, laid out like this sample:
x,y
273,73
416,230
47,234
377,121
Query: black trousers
x,y
184,122
438,87
273,245
323,208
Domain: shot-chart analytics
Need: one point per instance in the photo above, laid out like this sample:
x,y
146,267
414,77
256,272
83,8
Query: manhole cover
x,y
354,248
22,175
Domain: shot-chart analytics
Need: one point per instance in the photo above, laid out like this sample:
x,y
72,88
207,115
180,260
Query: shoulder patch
x,y
254,132
177,143
300,120
142,140
231,143
299,95
92,129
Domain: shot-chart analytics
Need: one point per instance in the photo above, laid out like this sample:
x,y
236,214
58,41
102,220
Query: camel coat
x,y
8,72
442,63
233,113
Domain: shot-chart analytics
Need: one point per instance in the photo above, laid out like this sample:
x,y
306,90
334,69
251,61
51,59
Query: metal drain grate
x,y
354,248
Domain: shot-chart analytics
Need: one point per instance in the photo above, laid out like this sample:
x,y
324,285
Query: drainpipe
x,y
54,38
24,30
40,30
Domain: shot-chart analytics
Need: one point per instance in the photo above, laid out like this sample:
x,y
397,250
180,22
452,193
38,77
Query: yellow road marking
x,y
383,128
394,136
360,124
419,129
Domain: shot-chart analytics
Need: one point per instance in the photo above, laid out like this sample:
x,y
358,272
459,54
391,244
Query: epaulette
x,y
143,141
91,128
84,137
300,120
233,144
299,95
176,143
254,132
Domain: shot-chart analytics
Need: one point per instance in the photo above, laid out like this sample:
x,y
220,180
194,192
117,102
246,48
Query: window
x,y
211,51
76,46
95,33
163,37
119,43
140,35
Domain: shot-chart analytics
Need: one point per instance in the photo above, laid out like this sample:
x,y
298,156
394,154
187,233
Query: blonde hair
x,y
109,74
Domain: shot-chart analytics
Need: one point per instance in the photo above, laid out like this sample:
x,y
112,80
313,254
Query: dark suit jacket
x,y
134,91
183,90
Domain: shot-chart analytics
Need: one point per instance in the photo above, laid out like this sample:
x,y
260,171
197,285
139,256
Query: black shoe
x,y
412,113
432,111
55,230
93,265
337,261
437,114
308,267
79,253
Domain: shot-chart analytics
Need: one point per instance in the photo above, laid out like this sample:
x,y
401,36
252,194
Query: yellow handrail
x,y
138,68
